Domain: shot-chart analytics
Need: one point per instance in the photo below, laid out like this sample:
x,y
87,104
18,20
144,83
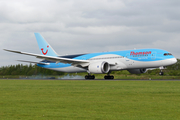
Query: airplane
x,y
136,61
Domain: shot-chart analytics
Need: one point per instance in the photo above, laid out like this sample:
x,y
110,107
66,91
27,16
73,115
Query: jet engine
x,y
137,71
99,67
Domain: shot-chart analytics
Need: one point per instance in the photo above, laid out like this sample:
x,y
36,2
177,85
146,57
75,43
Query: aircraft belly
x,y
141,64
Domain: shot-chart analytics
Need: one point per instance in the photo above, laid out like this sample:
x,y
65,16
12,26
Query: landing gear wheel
x,y
86,77
108,77
161,73
161,70
89,77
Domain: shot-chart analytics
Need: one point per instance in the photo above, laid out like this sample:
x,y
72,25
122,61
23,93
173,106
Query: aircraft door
x,y
127,57
153,55
129,61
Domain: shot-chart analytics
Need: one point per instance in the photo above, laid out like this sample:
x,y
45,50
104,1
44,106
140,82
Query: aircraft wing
x,y
73,62
33,62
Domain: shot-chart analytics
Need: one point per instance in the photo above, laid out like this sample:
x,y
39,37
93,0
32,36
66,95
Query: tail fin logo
x,y
42,49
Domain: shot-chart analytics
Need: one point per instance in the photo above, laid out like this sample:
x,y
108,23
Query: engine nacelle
x,y
137,71
99,67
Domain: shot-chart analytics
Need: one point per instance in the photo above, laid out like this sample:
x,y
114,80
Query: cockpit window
x,y
165,54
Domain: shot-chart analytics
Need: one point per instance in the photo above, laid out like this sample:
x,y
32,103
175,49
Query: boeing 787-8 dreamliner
x,y
135,61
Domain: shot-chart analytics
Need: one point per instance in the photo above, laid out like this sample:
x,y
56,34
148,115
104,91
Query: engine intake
x,y
137,71
99,67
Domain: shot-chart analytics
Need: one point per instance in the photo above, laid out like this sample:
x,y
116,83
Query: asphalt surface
x,y
100,79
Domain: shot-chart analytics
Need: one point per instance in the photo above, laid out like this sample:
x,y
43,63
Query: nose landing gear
x,y
161,73
161,70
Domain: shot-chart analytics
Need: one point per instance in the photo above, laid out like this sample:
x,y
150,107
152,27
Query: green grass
x,y
89,100
98,76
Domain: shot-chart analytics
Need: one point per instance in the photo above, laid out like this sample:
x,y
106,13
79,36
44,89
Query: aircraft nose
x,y
173,60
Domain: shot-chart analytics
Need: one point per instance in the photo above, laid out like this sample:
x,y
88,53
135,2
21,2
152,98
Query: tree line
x,y
30,69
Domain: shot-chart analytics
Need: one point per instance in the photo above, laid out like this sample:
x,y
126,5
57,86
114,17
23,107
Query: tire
x,y
86,77
161,73
112,77
93,77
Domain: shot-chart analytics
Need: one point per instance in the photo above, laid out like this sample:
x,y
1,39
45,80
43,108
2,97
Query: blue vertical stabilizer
x,y
44,46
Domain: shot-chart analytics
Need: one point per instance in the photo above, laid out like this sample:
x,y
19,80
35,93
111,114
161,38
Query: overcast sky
x,y
84,26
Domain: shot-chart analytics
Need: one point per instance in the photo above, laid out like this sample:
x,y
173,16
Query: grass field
x,y
89,100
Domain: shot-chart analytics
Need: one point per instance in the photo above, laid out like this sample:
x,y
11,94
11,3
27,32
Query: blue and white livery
x,y
135,61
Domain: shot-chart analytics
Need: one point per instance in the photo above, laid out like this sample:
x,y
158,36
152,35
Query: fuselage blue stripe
x,y
142,55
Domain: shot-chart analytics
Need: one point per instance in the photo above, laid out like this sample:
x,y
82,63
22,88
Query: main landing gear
x,y
109,77
161,70
90,77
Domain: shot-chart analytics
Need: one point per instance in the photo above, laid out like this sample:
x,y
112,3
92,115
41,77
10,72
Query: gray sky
x,y
80,26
